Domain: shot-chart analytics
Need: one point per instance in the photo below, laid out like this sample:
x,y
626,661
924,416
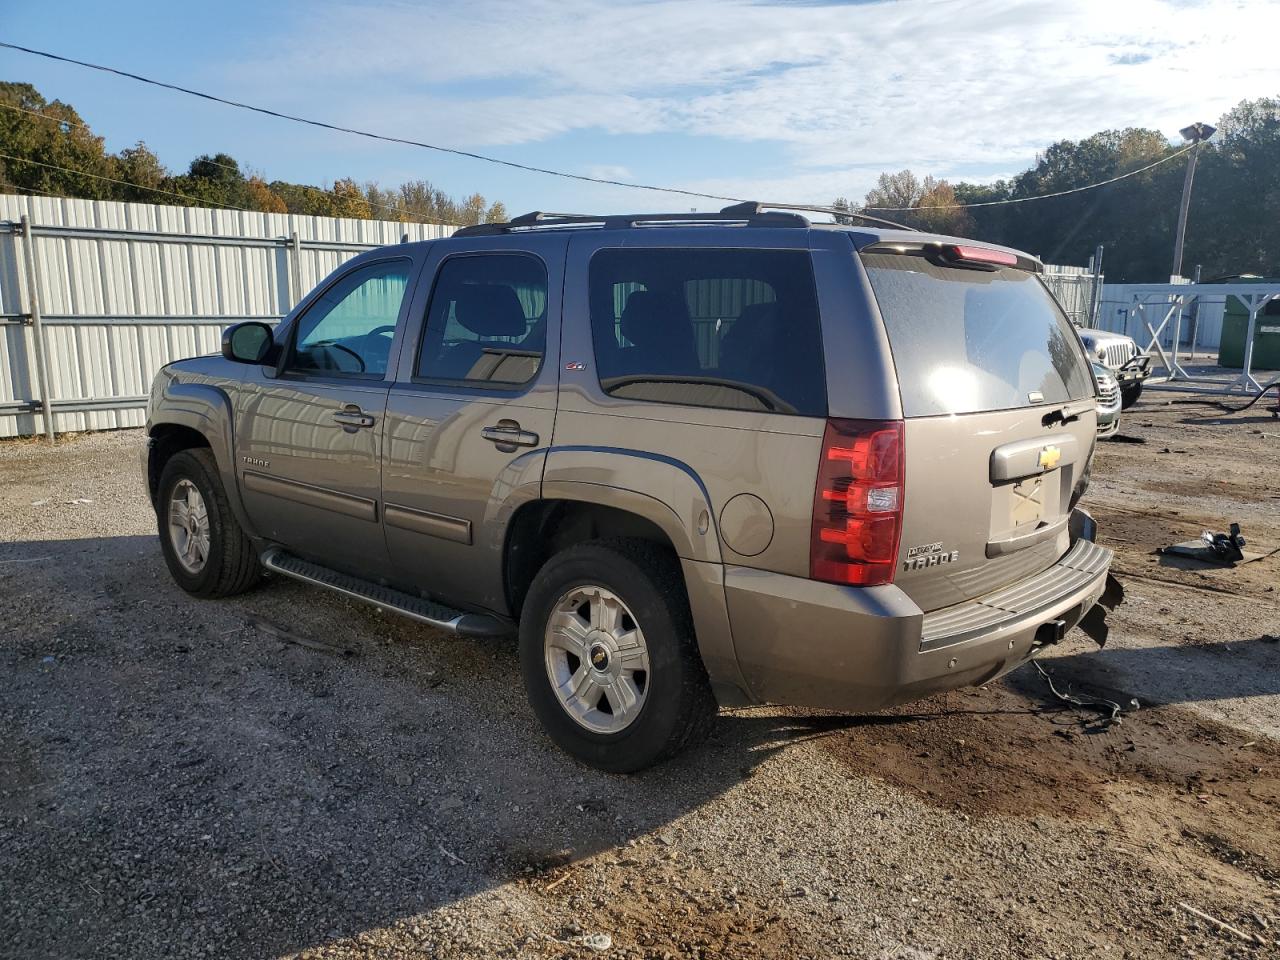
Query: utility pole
x,y
1197,133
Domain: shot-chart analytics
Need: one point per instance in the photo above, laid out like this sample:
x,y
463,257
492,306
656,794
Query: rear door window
x,y
487,322
970,340
736,329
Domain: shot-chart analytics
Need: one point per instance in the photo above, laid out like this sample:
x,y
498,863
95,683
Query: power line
x,y
125,183
526,167
231,167
363,133
1043,196
43,193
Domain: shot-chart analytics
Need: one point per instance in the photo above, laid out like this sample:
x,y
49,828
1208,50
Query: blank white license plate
x,y
1027,505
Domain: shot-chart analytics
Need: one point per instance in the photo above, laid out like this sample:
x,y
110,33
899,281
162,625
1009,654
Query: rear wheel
x,y
609,657
204,547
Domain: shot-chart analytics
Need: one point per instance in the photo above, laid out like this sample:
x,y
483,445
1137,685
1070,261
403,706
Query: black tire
x,y
678,709
1129,395
231,566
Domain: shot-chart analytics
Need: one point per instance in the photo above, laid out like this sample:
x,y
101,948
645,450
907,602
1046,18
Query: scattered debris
x,y
77,500
1226,549
1090,703
452,856
555,883
39,503
279,633
1221,925
599,942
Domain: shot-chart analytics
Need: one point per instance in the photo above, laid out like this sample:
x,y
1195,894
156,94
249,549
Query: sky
x,y
779,101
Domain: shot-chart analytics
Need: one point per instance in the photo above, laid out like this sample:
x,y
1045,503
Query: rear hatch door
x,y
1000,416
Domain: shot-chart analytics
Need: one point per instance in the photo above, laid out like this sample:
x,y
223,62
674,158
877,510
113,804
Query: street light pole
x,y
1197,133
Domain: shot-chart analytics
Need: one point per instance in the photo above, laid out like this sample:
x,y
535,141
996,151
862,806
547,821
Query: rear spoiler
x,y
964,255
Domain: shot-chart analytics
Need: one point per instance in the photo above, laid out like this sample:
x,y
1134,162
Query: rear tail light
x,y
857,504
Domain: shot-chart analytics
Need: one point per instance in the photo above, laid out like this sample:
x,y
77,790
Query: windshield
x,y
967,341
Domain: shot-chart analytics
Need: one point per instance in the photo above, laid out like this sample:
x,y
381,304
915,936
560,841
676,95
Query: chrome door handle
x,y
508,433
352,416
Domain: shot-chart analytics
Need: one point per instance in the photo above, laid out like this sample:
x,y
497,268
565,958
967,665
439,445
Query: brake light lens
x,y
981,255
857,503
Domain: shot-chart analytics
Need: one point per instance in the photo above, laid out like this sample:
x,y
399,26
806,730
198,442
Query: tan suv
x,y
688,459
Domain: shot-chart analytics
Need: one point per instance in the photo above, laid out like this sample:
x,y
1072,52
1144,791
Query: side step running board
x,y
424,611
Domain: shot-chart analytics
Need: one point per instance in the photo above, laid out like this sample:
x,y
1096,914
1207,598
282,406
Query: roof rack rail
x,y
749,213
755,206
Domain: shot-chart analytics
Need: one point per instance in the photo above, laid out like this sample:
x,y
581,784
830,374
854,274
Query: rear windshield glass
x,y
966,341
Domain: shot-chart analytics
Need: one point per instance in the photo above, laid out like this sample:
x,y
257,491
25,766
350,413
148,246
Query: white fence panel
x,y
124,288
1116,313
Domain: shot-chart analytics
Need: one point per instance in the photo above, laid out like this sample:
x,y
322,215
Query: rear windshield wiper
x,y
1067,412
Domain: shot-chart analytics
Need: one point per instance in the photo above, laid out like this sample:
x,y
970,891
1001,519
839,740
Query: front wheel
x,y
204,547
1129,395
609,657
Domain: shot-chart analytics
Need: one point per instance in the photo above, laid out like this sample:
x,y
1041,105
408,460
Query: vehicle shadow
x,y
1168,674
284,769
1261,417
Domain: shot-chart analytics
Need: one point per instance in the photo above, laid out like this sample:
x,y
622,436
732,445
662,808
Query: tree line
x,y
1233,226
58,153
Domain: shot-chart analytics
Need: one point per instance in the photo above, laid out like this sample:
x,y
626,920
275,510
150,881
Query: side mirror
x,y
248,342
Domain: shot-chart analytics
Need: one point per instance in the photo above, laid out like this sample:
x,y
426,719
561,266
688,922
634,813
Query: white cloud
x,y
845,89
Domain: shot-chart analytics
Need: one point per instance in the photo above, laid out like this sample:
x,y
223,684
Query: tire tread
x,y
238,567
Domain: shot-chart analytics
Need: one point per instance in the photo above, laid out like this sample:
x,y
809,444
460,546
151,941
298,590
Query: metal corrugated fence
x,y
123,288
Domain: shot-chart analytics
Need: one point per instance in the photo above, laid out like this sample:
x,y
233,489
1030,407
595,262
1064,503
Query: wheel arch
x,y
572,512
190,415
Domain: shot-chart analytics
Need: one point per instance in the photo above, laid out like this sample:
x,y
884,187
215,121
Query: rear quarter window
x,y
730,328
968,341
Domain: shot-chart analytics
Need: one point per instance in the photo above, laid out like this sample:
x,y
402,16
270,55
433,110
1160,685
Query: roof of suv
x,y
748,213
745,214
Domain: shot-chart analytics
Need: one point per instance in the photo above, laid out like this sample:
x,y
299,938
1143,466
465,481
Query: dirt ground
x,y
289,774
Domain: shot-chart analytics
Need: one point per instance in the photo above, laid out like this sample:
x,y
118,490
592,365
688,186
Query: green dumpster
x,y
1235,328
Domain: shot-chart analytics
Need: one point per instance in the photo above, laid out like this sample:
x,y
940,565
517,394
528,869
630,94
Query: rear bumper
x,y
815,644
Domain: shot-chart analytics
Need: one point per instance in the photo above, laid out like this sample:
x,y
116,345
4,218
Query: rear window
x,y
734,329
966,341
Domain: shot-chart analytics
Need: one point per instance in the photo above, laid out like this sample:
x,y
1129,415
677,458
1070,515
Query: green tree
x,y
497,213
926,204
38,131
1239,172
141,168
349,200
472,209
215,180
63,141
262,197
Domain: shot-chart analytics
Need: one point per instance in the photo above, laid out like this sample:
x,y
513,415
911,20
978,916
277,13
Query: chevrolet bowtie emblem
x,y
1049,457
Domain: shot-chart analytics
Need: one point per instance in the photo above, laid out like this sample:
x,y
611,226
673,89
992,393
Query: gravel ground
x,y
290,774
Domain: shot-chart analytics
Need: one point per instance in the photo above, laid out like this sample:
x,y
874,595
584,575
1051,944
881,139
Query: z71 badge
x,y
928,555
